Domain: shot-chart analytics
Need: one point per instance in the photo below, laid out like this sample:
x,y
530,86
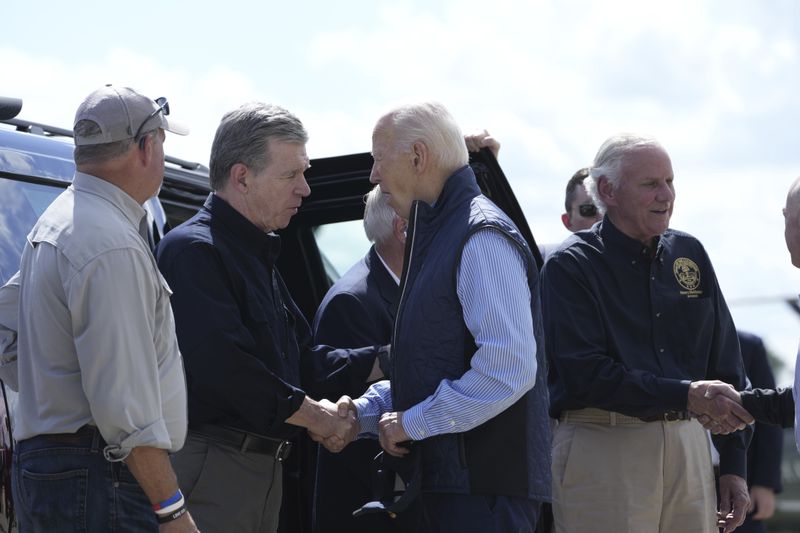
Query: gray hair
x,y
97,153
608,161
434,126
378,216
243,136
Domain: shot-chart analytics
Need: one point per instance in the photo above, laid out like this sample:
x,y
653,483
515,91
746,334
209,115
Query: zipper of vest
x,y
409,252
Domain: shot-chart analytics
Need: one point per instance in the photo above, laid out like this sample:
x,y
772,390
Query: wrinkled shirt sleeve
x,y
113,329
371,405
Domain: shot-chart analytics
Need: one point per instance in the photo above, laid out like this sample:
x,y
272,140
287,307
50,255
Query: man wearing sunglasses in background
x,y
102,394
581,212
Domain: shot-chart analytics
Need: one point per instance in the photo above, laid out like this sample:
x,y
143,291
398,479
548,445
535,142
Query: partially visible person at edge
x,y
358,310
772,406
467,369
102,395
252,371
791,214
637,329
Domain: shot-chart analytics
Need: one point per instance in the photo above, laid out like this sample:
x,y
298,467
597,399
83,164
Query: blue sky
x,y
715,81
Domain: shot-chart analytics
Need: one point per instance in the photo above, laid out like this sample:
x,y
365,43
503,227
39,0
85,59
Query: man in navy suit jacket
x,y
358,310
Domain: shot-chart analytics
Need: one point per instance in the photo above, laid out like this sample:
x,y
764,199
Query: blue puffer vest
x,y
509,454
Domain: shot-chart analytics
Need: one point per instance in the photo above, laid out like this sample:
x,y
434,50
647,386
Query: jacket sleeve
x,y
346,321
766,448
725,363
769,406
327,371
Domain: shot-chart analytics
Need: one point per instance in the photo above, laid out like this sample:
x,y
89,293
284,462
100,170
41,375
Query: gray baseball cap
x,y
123,113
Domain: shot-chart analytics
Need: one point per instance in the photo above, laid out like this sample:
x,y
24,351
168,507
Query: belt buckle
x,y
284,448
672,416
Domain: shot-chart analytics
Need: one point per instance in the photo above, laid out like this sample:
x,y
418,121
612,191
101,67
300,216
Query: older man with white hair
x,y
467,370
637,329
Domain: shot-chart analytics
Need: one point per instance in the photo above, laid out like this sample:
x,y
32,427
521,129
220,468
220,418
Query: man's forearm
x,y
152,469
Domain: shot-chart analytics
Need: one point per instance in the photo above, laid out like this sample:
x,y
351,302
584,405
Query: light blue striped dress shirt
x,y
494,293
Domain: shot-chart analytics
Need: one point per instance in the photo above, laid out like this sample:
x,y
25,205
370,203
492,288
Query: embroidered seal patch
x,y
688,275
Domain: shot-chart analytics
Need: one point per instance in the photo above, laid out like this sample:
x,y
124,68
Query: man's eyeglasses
x,y
163,107
587,210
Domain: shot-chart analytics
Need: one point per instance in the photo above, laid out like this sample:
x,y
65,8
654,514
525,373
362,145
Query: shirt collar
x,y
630,246
122,201
245,233
389,270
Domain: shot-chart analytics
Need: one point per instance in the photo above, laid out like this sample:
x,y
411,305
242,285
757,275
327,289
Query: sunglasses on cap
x,y
587,210
163,107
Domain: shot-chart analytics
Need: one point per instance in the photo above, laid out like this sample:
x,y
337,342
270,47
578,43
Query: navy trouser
x,y
64,483
446,513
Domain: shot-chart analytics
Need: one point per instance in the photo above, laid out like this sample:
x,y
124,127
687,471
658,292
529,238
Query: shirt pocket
x,y
691,326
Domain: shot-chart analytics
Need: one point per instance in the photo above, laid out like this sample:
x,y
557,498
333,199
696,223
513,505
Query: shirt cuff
x,y
154,436
414,423
368,416
676,393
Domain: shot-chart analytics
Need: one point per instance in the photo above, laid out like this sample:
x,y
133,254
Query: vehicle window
x,y
341,244
21,206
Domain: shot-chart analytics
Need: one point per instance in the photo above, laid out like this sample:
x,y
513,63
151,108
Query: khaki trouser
x,y
633,476
227,490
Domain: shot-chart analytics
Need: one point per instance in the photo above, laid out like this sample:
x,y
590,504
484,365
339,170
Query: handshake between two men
x,y
718,407
341,427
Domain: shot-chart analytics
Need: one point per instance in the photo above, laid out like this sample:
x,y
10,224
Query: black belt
x,y
83,435
667,416
246,442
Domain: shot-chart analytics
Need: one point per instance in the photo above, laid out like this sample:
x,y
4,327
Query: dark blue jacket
x,y
509,454
358,310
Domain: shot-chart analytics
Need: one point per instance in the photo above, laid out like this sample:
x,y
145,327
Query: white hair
x,y
378,216
434,126
608,161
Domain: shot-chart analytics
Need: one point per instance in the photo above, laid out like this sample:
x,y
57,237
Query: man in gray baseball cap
x,y
121,113
102,394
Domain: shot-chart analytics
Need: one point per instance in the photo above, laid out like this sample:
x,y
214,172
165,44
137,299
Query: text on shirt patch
x,y
688,275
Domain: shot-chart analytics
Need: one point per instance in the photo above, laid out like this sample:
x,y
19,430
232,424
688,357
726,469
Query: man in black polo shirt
x,y
636,326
